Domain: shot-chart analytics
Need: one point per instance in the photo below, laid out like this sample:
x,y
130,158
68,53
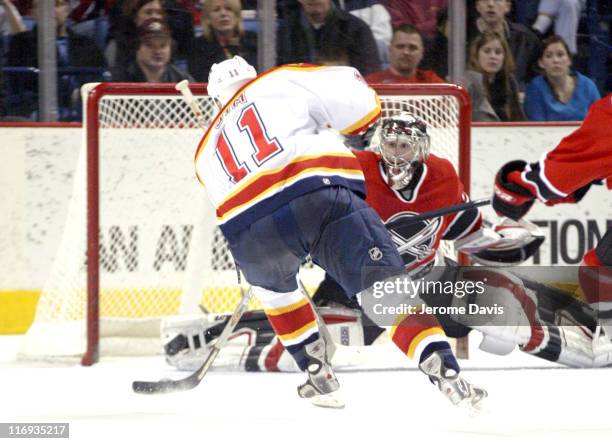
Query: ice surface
x,y
533,402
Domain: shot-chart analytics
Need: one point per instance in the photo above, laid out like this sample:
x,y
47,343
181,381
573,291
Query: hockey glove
x,y
509,198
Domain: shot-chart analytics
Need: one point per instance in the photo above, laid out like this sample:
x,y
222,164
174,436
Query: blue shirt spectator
x,y
542,105
558,94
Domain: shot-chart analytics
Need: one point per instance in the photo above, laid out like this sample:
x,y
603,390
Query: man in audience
x,y
152,60
10,19
421,13
405,53
376,16
126,15
524,44
73,51
565,14
319,24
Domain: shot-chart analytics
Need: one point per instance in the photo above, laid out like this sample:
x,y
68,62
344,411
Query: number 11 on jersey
x,y
264,146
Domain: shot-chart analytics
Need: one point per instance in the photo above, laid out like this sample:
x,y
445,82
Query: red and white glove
x,y
511,199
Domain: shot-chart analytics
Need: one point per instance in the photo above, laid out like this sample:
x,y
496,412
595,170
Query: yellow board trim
x,y
17,309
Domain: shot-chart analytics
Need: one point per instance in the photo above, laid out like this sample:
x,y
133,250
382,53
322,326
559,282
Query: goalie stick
x,y
192,381
444,211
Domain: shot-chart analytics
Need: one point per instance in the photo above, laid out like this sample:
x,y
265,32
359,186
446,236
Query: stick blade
x,y
163,386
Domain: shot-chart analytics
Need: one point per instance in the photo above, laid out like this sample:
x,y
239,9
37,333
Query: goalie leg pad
x,y
515,320
596,282
568,345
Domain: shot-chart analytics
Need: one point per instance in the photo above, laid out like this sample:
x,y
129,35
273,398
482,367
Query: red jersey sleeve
x,y
579,159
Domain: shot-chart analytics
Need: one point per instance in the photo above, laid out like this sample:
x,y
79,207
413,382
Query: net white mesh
x,y
160,252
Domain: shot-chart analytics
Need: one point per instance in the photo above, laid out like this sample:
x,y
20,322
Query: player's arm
x,y
585,152
518,185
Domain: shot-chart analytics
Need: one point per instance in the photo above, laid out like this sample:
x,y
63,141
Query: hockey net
x,y
140,241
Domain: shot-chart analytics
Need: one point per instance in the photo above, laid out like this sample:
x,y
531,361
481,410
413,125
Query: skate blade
x,y
328,401
475,406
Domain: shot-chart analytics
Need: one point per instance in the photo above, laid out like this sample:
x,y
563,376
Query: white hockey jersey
x,y
272,141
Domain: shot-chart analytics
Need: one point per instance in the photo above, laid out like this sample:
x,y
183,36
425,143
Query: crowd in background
x,y
524,60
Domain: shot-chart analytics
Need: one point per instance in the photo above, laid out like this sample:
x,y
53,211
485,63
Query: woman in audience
x,y
223,37
558,94
489,80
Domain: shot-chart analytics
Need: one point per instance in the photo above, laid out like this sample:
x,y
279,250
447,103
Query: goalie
x,y
404,179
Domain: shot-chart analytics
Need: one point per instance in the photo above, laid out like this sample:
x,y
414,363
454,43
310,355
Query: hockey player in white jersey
x,y
285,186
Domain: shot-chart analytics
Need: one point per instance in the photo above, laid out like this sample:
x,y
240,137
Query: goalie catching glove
x,y
507,243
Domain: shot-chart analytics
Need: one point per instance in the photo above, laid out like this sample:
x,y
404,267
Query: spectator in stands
x,y
72,49
127,15
222,38
333,56
10,19
152,62
194,7
559,94
319,24
2,92
490,80
406,53
566,16
74,52
89,18
84,10
421,13
377,18
436,55
23,6
523,42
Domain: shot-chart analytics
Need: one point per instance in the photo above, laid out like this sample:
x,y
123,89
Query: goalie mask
x,y
227,77
403,144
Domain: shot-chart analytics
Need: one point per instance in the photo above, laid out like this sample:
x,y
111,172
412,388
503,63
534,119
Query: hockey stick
x,y
192,381
192,102
330,345
444,211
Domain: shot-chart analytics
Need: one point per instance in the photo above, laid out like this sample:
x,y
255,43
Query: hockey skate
x,y
451,384
322,387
